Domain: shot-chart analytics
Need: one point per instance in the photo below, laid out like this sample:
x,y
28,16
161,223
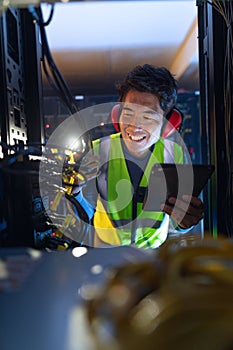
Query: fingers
x,y
194,201
90,160
89,163
187,211
90,167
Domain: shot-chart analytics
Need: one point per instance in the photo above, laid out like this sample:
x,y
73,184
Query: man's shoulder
x,y
170,142
106,138
173,152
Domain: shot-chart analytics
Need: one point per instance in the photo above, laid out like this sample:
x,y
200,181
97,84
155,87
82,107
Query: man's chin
x,y
136,150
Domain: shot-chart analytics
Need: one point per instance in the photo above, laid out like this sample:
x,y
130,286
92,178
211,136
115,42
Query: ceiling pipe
x,y
186,51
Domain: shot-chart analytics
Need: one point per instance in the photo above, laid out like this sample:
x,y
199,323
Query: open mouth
x,y
136,138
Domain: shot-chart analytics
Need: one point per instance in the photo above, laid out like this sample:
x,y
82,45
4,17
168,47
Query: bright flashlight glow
x,y
75,143
79,251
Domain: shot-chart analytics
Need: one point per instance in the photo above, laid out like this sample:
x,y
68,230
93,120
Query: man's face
x,y
140,122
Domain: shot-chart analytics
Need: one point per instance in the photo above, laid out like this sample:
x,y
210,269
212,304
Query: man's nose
x,y
136,120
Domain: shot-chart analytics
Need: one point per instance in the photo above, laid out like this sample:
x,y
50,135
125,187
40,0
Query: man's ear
x,y
173,122
115,115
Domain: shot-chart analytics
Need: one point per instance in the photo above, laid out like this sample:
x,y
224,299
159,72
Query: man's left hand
x,y
186,212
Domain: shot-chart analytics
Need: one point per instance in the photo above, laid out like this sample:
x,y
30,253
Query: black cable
x,y
50,16
82,213
54,77
60,85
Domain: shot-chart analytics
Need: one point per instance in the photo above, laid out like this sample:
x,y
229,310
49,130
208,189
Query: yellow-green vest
x,y
119,218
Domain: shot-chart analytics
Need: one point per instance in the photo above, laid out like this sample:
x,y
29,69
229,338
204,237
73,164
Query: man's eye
x,y
148,117
152,118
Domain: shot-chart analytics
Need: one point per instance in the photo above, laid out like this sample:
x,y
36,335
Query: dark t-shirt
x,y
135,166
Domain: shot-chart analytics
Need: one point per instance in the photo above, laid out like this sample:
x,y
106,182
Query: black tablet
x,y
175,180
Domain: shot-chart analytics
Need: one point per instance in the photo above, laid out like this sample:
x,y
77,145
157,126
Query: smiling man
x,y
120,217
140,122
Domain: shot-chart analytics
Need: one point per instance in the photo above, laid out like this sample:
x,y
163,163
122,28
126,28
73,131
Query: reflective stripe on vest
x,y
120,218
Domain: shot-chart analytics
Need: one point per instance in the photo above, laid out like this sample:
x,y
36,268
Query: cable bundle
x,y
182,300
50,68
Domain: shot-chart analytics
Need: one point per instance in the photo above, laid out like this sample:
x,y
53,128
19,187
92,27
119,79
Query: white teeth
x,y
136,138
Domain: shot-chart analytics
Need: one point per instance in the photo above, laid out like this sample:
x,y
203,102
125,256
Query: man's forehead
x,y
132,107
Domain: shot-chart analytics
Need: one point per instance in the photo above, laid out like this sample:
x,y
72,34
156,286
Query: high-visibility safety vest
x,y
120,218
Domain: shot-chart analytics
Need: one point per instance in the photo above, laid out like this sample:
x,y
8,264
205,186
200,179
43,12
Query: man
x,y
147,94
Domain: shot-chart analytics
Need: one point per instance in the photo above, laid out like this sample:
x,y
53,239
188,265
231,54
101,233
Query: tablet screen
x,y
175,180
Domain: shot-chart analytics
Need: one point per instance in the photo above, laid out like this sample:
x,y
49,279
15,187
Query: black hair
x,y
156,80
